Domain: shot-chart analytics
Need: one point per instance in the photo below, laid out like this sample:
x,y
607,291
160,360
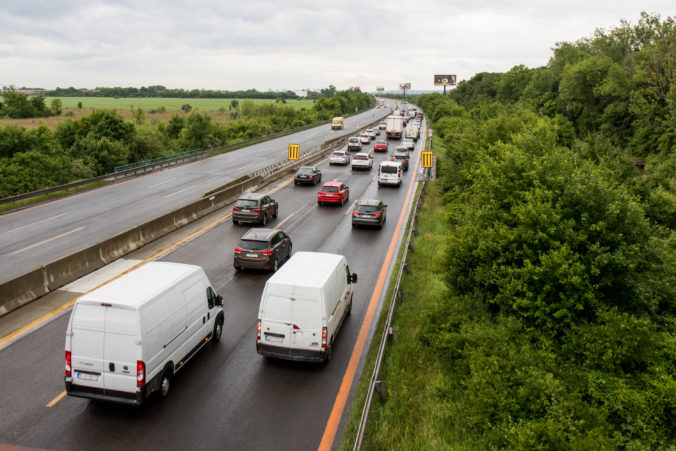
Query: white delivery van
x,y
390,173
303,306
126,339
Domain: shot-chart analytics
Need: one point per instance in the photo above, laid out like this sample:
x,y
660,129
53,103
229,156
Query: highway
x,y
32,237
227,397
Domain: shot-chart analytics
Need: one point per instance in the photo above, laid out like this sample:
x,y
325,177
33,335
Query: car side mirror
x,y
219,300
353,278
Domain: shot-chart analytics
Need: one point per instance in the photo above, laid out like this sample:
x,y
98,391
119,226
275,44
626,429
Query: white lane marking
x,y
38,222
46,241
179,191
161,183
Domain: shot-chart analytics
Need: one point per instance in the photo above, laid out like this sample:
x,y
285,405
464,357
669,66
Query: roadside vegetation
x,y
94,144
540,311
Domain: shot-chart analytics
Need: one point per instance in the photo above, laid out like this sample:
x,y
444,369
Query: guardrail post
x,y
381,388
407,268
393,333
402,296
411,246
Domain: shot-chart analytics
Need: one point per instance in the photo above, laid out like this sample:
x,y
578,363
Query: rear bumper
x,y
298,355
247,218
367,221
129,398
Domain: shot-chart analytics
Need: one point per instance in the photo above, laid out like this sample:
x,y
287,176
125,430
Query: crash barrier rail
x,y
139,168
51,276
376,385
152,161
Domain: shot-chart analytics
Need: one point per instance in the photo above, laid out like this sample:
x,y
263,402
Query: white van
x,y
303,306
126,339
390,173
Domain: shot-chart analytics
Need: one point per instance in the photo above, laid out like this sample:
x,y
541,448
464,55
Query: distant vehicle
x,y
390,173
262,249
410,144
382,126
370,132
369,212
376,130
254,207
303,307
354,144
364,138
339,157
412,132
127,339
381,145
333,193
401,156
362,160
394,127
307,175
337,123
402,147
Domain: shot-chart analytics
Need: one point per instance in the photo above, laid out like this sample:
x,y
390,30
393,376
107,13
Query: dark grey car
x,y
369,212
254,207
262,249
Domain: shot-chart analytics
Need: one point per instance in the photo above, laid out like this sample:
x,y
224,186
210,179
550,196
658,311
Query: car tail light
x,y
324,333
238,250
258,331
258,210
235,208
267,252
310,177
140,373
376,214
355,213
68,365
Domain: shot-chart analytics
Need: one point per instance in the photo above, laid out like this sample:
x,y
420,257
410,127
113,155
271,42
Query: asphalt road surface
x,y
227,397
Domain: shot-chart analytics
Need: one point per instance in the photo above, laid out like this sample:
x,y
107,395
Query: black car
x,y
262,249
254,207
369,212
401,156
307,175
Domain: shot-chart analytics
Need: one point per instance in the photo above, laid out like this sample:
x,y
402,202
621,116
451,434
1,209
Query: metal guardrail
x,y
375,384
152,161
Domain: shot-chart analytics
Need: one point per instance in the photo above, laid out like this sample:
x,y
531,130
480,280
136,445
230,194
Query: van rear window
x,y
389,169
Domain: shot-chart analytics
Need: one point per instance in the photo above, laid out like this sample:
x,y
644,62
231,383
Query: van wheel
x,y
165,384
218,331
327,356
349,307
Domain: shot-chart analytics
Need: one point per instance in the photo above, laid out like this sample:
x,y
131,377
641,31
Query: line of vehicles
x,y
126,340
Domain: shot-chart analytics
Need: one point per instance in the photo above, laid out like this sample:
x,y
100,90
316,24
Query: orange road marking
x,y
57,399
348,378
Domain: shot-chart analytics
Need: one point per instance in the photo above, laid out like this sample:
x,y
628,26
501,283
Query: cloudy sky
x,y
291,44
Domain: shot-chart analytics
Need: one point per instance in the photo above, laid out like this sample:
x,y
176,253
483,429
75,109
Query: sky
x,y
290,45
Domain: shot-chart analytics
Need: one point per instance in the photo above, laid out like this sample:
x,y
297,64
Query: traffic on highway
x,y
270,373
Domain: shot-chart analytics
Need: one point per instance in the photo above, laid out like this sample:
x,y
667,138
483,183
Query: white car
x,y
409,143
362,160
354,144
371,133
339,157
364,138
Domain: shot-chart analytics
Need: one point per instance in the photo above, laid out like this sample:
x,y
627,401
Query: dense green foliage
x,y
549,321
94,145
17,105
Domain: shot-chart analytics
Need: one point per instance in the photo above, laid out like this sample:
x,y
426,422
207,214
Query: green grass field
x,y
147,103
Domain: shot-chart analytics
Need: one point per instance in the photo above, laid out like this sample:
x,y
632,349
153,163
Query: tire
x,y
234,221
264,221
342,201
349,308
275,265
329,351
238,268
165,384
288,256
274,215
218,330
319,202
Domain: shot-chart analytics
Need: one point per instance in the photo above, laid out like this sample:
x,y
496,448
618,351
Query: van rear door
x,y
291,323
120,349
86,344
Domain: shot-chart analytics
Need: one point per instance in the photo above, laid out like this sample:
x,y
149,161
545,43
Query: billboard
x,y
404,85
444,80
380,88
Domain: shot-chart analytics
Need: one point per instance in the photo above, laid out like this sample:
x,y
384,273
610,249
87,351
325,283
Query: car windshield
x,y
246,203
330,189
367,208
305,170
254,245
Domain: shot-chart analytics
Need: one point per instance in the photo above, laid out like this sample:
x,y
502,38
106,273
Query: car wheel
x,y
319,202
342,201
234,221
237,268
275,265
218,331
265,219
165,384
274,215
288,255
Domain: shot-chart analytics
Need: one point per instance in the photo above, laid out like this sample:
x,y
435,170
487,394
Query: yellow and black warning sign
x,y
294,151
427,159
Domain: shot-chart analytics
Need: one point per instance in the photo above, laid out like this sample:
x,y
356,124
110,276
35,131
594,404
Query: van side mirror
x,y
219,300
353,278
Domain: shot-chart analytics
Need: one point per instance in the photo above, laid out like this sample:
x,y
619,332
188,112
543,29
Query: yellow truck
x,y
337,123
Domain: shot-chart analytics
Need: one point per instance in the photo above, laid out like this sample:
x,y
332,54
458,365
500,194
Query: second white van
x,y
127,339
303,307
390,173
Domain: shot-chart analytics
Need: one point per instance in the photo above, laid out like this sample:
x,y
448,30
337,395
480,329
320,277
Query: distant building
x,y
301,92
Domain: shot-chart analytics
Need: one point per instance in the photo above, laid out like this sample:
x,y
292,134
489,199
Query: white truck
x,y
127,339
394,126
412,132
303,306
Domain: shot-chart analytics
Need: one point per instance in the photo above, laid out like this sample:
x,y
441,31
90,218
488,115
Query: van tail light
x,y
140,373
238,250
324,333
296,327
268,252
258,331
69,367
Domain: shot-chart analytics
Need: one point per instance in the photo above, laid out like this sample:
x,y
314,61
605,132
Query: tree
x,y
186,108
56,107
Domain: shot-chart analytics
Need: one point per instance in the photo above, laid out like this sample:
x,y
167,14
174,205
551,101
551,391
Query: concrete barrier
x,y
22,290
64,270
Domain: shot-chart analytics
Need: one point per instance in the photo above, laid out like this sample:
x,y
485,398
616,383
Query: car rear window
x,y
366,209
329,189
338,154
389,169
254,245
361,157
305,171
354,140
246,203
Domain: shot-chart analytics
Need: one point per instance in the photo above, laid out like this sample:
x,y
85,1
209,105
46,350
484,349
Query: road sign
x,y
294,151
427,159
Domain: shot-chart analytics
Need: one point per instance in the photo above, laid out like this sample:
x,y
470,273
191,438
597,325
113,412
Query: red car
x,y
380,146
333,192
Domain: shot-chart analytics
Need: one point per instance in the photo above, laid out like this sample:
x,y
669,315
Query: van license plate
x,y
273,338
88,377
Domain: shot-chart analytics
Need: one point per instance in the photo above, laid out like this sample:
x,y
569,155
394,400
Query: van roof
x,y
140,285
314,267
